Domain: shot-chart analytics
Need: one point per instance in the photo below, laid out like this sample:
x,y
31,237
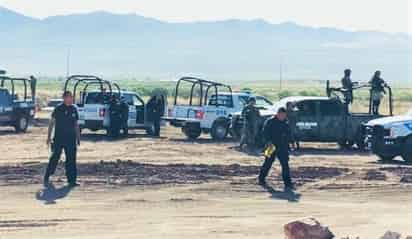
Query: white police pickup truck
x,y
390,137
94,113
93,105
206,109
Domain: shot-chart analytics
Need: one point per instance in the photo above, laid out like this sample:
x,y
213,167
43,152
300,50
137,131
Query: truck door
x,y
218,107
306,127
140,109
331,120
6,109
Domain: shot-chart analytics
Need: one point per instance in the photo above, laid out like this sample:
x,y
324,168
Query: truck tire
x,y
219,130
150,130
407,150
192,132
360,141
386,158
22,124
345,144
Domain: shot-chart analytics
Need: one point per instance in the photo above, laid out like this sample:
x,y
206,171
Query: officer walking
x,y
277,135
377,91
347,85
64,123
250,115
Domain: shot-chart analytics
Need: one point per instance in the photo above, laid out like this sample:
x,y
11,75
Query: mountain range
x,y
129,45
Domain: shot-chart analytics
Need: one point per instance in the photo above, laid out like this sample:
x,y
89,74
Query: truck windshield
x,y
97,98
261,102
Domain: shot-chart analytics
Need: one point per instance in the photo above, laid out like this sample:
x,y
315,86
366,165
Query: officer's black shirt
x,y
65,130
278,133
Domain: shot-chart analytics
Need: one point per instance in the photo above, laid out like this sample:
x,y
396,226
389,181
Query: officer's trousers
x,y
70,151
375,107
284,162
156,124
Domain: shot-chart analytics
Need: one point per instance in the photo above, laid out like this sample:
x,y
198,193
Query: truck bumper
x,y
180,122
387,147
92,124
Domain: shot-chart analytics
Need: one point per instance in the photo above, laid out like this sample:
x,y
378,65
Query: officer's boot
x,y
264,170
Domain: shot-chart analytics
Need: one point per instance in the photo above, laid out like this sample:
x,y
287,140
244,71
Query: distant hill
x,y
132,45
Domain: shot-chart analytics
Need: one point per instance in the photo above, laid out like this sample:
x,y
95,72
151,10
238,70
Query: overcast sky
x,y
382,15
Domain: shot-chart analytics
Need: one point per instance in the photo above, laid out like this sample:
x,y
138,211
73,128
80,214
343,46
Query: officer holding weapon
x,y
377,91
251,115
347,86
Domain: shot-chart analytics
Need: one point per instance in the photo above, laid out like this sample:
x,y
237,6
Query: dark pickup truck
x,y
17,101
317,119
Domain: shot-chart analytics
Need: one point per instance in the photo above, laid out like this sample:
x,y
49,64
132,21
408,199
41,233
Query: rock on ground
x,y
308,228
391,235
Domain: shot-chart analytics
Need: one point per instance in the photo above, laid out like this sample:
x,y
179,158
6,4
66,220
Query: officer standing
x,y
377,91
250,115
124,108
115,117
277,135
347,85
64,123
156,108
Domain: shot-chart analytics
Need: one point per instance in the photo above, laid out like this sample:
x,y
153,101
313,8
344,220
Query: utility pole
x,y
280,73
68,62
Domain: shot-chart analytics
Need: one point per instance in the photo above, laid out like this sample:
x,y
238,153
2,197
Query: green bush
x,y
284,93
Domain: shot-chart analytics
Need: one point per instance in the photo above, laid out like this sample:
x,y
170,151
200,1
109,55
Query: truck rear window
x,y
97,98
222,100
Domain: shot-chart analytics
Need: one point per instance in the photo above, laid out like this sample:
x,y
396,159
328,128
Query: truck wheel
x,y
150,130
219,130
345,144
22,124
360,141
386,158
407,150
192,132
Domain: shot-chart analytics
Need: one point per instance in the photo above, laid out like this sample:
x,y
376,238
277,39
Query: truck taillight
x,y
200,114
102,112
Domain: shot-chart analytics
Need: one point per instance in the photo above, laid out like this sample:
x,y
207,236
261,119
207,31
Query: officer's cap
x,y
282,110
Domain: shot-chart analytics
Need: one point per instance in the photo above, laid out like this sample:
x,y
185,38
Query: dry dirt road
x,y
169,187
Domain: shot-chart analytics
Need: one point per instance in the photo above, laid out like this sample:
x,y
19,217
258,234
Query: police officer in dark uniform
x,y
377,91
347,86
156,108
66,137
250,115
115,117
124,108
277,133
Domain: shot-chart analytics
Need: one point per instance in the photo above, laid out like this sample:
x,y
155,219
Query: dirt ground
x,y
169,187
